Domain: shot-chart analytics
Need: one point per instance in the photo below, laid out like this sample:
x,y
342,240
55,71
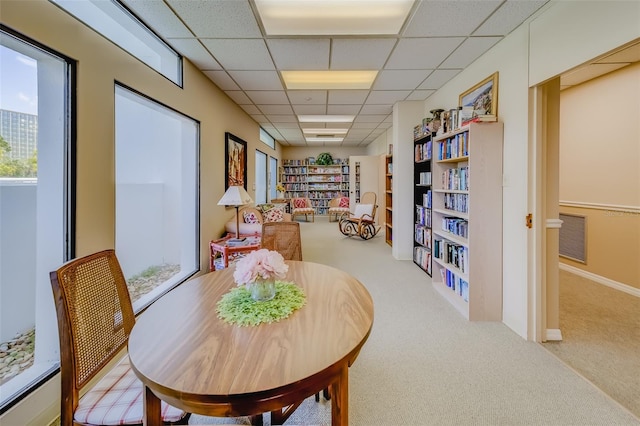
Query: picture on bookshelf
x,y
483,97
236,161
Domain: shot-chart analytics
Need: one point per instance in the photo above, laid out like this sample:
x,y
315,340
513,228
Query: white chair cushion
x,y
362,209
117,400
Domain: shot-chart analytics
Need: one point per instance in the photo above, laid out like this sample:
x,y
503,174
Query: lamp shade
x,y
235,196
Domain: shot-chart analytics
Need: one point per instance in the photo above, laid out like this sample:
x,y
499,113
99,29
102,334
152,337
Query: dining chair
x,y
283,237
95,318
362,221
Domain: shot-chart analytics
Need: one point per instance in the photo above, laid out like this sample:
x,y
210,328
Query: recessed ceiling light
x,y
324,139
326,131
333,17
309,80
325,118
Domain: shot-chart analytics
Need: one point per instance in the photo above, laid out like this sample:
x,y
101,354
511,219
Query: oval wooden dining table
x,y
185,355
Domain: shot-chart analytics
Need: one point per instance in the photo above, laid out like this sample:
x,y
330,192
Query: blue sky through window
x,y
18,82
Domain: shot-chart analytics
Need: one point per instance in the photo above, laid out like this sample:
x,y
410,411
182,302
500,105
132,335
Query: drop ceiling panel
x,y
449,18
347,96
385,97
373,118
377,109
438,78
268,97
343,109
222,80
422,53
300,54
400,79
420,95
239,97
509,16
240,54
159,17
315,97
257,80
195,52
275,119
217,19
276,109
259,118
360,54
253,111
310,109
471,49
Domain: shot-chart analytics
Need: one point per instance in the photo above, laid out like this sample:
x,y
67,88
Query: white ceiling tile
x,y
400,79
343,109
195,52
449,18
251,110
240,54
275,109
470,50
219,18
308,97
377,109
420,95
422,53
268,97
259,118
358,132
438,78
385,97
509,16
222,80
309,109
300,54
283,119
360,54
287,125
291,133
373,118
385,125
158,17
240,98
257,80
347,96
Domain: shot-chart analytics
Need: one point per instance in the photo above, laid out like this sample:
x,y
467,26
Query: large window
x,y
156,195
34,209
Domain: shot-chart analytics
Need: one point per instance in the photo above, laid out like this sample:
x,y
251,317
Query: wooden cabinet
x,y
422,198
467,219
388,201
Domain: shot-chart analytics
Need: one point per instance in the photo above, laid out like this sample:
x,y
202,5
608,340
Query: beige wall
x,y
600,171
300,152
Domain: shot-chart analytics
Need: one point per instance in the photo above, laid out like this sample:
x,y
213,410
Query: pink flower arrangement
x,y
260,264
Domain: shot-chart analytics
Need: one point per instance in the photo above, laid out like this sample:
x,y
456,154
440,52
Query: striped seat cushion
x,y
303,210
117,400
339,209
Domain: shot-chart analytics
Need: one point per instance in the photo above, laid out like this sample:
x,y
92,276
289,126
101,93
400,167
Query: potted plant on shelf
x,y
324,159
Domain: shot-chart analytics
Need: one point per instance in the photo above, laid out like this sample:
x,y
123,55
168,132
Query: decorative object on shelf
x,y
483,97
235,166
324,159
258,271
436,121
238,307
235,196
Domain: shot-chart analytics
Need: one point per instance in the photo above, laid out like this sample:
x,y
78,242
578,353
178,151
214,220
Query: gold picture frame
x,y
483,97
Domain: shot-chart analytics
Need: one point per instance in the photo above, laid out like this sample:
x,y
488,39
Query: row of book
x,y
455,283
296,193
422,235
422,258
423,151
456,202
454,147
295,186
327,170
452,253
293,178
456,179
294,162
424,178
427,199
320,200
456,226
423,216
295,170
325,178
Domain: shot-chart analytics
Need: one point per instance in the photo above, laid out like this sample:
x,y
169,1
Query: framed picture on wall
x,y
235,161
483,97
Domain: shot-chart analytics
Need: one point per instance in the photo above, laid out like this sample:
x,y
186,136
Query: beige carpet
x,y
425,365
601,337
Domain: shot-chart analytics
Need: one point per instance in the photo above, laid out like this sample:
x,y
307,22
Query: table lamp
x,y
235,196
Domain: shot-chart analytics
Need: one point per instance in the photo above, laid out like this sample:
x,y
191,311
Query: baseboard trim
x,y
553,334
601,280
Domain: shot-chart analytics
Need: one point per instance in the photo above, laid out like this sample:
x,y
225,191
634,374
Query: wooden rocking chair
x,y
362,221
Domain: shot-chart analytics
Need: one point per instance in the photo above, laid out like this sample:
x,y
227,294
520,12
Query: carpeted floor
x,y
423,364
601,337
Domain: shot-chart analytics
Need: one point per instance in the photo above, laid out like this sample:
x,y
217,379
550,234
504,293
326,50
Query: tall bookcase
x,y
422,196
388,195
467,219
320,183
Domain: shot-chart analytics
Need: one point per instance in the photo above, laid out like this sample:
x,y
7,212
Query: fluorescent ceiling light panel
x,y
309,80
327,139
326,131
325,118
333,17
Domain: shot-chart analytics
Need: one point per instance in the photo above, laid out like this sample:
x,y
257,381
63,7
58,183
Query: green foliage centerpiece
x,y
324,159
260,297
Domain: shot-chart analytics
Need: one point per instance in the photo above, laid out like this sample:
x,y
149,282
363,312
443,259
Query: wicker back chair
x,y
302,206
283,237
95,318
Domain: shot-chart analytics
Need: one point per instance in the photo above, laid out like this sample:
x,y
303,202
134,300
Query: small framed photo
x,y
483,97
